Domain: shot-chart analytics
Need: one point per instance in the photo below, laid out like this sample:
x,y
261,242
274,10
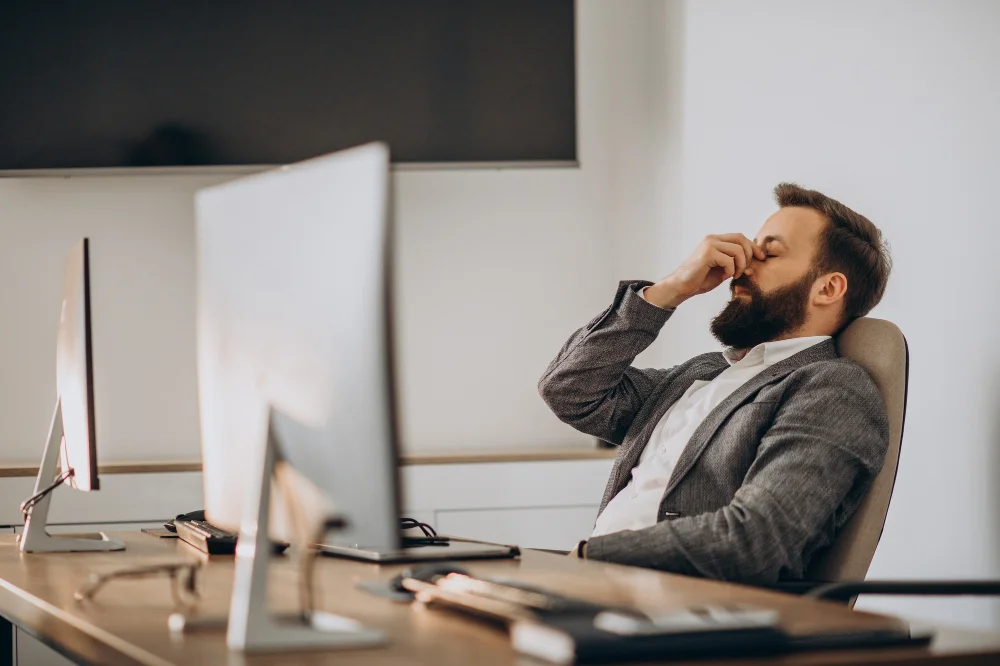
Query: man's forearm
x,y
728,544
664,295
591,385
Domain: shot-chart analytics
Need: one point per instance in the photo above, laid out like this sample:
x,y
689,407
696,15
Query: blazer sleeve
x,y
827,442
591,385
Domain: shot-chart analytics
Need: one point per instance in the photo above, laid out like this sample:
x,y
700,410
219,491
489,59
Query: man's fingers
x,y
737,252
724,261
745,244
751,249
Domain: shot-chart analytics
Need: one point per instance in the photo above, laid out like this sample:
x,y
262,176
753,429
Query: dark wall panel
x,y
153,82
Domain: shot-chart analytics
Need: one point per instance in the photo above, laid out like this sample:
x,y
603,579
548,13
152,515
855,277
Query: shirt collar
x,y
769,353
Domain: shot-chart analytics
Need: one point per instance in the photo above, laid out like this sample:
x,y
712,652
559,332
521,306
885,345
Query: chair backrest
x,y
880,348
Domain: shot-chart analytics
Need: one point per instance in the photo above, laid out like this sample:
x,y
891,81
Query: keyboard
x,y
213,540
206,537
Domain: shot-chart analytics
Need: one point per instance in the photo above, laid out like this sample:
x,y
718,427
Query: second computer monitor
x,y
294,315
72,442
75,372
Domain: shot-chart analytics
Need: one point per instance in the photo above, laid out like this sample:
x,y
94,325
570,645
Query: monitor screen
x,y
75,372
121,83
294,332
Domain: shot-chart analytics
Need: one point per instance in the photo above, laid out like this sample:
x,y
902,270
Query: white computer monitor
x,y
72,442
293,315
294,348
75,372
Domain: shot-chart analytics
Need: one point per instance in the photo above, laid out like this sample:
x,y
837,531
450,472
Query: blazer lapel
x,y
703,435
635,442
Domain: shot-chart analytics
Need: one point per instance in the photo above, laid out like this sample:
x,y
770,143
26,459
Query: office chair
x,y
838,574
879,347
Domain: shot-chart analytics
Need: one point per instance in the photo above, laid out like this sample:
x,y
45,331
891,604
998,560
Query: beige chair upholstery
x,y
880,348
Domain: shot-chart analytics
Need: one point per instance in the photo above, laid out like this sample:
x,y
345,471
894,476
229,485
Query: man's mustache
x,y
742,281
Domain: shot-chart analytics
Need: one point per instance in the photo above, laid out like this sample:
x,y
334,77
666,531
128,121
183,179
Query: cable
x,y
430,537
28,504
413,523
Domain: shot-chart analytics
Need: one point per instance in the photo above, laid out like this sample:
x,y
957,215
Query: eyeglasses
x,y
183,581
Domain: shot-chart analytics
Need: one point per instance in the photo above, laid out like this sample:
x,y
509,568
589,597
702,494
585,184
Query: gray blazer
x,y
766,480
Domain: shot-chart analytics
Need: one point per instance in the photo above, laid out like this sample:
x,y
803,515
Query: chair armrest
x,y
844,591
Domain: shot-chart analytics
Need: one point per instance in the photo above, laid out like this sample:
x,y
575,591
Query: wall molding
x,y
416,458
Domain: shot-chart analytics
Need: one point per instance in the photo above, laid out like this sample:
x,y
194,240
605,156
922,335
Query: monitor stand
x,y
35,537
252,626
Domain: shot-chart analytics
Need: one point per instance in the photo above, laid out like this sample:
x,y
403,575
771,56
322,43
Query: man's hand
x,y
717,258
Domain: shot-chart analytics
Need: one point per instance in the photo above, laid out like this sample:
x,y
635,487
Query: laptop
x,y
453,548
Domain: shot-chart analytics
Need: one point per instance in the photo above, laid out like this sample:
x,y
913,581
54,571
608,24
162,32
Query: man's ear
x,y
833,287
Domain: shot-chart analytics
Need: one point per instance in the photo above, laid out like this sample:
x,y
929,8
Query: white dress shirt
x,y
637,505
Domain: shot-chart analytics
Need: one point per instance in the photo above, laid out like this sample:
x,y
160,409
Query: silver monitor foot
x,y
40,541
321,631
36,538
252,626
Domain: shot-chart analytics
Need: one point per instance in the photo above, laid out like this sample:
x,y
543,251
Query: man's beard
x,y
748,321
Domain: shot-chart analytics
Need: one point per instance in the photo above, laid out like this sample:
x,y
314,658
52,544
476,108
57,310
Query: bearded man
x,y
741,465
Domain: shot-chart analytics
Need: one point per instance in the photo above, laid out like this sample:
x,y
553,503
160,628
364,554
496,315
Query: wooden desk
x,y
127,622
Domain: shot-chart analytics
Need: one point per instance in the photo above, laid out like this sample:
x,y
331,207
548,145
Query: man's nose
x,y
754,263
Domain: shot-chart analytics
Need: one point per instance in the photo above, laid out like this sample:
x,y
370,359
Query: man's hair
x,y
851,245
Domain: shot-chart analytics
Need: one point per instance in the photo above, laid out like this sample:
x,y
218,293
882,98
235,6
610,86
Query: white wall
x,y
891,107
496,269
142,270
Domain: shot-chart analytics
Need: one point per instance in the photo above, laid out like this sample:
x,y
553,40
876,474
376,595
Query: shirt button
x,y
663,449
